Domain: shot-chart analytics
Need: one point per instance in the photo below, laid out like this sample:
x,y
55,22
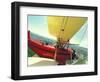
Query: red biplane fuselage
x,y
48,51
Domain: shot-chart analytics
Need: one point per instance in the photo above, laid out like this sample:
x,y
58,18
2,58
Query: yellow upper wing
x,y
64,27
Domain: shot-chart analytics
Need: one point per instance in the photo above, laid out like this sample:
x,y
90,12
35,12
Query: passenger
x,y
46,43
73,54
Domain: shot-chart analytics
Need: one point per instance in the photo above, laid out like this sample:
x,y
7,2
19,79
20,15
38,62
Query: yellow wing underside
x,y
65,27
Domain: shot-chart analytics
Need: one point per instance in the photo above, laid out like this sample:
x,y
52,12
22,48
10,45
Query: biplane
x,y
63,28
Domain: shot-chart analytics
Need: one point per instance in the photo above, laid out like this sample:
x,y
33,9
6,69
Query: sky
x,y
39,25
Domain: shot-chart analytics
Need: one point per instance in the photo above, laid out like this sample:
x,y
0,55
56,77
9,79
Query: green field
x,y
30,52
